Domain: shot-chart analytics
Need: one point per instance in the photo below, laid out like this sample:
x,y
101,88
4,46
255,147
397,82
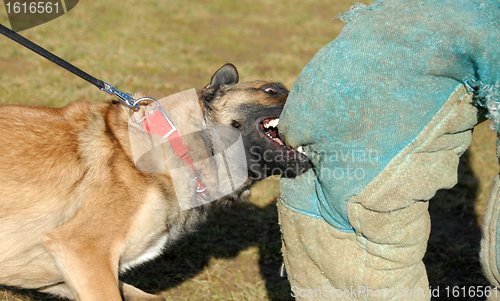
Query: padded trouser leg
x,y
390,219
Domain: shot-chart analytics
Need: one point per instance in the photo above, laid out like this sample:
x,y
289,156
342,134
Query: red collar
x,y
156,121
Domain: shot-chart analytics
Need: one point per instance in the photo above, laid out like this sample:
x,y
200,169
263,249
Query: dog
x,y
75,211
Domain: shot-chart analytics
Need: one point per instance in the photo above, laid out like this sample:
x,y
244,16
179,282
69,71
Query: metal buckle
x,y
152,111
198,188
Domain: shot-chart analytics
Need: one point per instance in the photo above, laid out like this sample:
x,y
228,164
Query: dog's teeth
x,y
278,140
271,123
300,149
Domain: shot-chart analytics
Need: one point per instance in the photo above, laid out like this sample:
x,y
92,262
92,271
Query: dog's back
x,y
65,179
37,145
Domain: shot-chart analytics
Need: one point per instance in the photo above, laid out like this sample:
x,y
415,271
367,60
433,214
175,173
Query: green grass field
x,y
161,47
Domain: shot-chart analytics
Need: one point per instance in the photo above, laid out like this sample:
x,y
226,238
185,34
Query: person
x,y
384,112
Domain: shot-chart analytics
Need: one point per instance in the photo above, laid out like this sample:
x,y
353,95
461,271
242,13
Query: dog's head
x,y
253,108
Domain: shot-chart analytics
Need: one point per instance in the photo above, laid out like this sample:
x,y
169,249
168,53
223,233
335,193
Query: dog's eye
x,y
236,124
270,90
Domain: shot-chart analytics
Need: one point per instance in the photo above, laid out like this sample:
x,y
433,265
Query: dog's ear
x,y
225,76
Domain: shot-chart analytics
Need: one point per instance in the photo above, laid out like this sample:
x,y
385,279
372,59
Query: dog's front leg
x,y
87,257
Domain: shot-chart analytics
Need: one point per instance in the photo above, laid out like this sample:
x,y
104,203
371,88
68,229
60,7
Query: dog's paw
x,y
131,293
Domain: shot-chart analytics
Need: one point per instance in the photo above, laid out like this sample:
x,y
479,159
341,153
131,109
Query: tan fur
x,y
75,211
226,112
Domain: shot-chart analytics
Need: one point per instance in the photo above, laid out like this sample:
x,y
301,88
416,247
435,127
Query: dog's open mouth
x,y
269,127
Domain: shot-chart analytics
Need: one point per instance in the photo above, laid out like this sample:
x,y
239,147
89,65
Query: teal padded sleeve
x,y
365,96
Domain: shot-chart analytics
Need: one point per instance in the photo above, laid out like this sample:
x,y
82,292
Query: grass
x,y
161,47
164,46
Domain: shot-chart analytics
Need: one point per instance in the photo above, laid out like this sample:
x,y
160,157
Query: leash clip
x,y
126,97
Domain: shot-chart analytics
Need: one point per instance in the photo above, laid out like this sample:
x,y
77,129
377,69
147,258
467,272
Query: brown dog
x,y
74,209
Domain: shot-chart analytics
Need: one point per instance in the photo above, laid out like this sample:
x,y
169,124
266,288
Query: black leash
x,y
126,97
155,121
